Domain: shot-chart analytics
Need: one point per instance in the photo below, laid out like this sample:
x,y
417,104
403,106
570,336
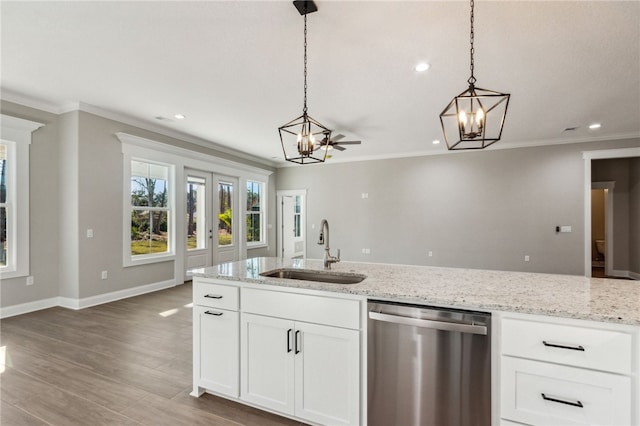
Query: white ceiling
x,y
234,68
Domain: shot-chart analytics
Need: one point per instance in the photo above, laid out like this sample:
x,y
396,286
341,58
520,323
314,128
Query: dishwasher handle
x,y
425,323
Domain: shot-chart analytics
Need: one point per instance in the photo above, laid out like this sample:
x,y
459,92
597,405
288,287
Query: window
x,y
14,196
255,211
151,210
4,157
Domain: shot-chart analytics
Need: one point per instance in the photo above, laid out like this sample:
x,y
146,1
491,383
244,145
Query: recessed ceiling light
x,y
422,66
436,142
595,126
179,116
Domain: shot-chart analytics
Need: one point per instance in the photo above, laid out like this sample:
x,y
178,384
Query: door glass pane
x,y
196,220
225,195
297,231
3,236
3,209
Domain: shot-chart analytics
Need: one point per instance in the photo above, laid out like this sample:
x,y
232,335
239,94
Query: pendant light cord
x,y
472,79
304,109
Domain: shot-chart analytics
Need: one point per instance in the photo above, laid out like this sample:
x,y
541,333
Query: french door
x,y
211,225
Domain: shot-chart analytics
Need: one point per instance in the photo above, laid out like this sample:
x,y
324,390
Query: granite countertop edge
x,y
563,296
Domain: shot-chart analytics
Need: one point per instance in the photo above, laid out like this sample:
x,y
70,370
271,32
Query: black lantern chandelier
x,y
474,119
303,136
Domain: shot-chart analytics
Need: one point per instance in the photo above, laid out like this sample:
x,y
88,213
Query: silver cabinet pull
x,y
213,296
562,401
213,313
437,325
557,345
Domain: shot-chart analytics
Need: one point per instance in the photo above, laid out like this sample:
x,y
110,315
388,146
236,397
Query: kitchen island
x,y
565,349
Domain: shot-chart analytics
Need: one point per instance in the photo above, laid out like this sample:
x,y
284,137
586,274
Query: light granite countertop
x,y
568,296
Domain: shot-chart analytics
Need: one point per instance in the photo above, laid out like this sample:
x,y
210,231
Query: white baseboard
x,y
24,308
71,303
634,275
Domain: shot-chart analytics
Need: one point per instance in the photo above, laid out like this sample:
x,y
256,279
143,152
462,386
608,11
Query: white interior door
x,y
199,223
291,223
227,216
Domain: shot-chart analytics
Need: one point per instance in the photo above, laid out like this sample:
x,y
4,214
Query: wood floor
x,y
121,363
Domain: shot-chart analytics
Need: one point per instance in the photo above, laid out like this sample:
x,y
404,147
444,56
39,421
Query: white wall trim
x,y
634,275
25,308
588,156
70,303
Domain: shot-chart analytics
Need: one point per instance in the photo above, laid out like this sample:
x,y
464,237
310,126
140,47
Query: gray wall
x,y
471,209
44,212
76,183
626,211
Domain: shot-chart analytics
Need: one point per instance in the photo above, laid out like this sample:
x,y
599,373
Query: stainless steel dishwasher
x,y
428,366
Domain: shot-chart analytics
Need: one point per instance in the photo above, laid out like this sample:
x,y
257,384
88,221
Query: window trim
x,y
263,210
127,258
16,134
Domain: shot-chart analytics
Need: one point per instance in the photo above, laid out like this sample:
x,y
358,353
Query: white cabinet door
x,y
267,359
219,350
327,377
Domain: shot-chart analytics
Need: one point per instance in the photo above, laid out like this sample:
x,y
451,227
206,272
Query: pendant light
x,y
303,136
474,119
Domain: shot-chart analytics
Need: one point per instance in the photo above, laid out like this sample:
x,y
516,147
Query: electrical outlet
x,y
430,254
105,274
526,258
366,251
365,195
29,280
89,233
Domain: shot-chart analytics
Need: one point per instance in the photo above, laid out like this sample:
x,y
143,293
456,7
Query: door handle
x,y
556,345
424,323
562,401
297,341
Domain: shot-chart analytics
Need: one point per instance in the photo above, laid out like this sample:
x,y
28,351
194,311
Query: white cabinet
x,y
267,362
291,353
567,372
216,339
310,371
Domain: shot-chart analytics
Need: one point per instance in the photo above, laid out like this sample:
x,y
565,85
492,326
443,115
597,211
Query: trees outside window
x,y
150,208
254,213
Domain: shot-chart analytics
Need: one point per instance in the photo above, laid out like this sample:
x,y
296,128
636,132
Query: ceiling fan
x,y
335,142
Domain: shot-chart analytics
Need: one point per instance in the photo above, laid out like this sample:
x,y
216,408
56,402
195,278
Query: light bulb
x,y
462,116
480,117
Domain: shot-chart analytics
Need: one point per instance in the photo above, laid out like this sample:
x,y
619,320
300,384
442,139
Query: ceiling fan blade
x,y
338,147
348,143
337,137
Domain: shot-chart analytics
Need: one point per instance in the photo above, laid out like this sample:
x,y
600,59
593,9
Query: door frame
x,y
209,222
279,214
588,156
608,186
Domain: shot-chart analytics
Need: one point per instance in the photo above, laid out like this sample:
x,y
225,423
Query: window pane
x,y
196,221
225,194
253,227
254,190
3,173
3,236
149,232
149,184
296,225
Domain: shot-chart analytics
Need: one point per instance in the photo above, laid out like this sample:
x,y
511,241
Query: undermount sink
x,y
314,275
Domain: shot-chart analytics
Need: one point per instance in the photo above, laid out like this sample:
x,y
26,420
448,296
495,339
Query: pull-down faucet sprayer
x,y
324,239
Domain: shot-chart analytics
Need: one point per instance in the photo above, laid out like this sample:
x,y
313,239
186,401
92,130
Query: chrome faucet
x,y
324,239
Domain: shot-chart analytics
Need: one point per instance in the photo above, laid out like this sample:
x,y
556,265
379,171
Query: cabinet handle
x,y
289,340
555,345
213,313
297,335
213,296
560,401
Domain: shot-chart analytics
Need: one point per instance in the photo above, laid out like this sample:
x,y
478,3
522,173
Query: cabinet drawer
x,y
302,307
548,394
570,345
215,295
